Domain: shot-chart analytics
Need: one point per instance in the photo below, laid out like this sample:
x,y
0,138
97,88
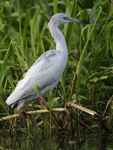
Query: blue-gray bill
x,y
77,20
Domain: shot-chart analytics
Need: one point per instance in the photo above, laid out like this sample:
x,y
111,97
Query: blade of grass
x,y
4,65
68,5
20,28
110,15
55,6
107,36
80,63
25,25
69,27
3,105
27,56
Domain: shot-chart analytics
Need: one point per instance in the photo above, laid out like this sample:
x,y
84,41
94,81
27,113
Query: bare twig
x,y
91,112
35,112
107,105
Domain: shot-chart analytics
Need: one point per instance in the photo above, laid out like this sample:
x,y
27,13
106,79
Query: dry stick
x,y
35,112
73,83
107,105
91,112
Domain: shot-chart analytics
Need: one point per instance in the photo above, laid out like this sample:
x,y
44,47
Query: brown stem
x,y
107,105
73,83
54,118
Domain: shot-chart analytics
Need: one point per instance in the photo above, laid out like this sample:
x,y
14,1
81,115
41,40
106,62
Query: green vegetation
x,y
87,79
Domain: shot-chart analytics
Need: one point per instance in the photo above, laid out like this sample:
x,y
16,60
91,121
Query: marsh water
x,y
25,140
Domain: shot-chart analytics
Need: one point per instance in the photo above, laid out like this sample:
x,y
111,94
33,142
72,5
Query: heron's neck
x,y
59,40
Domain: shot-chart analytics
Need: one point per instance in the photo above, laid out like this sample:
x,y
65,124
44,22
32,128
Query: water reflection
x,y
43,141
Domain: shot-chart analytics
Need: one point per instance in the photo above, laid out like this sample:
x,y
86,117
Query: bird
x,y
47,69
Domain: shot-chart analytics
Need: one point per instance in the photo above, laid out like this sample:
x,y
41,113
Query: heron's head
x,y
61,18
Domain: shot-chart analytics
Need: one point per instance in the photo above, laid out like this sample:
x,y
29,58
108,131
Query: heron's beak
x,y
77,20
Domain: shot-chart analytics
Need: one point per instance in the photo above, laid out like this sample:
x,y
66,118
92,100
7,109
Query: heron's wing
x,y
46,70
47,55
44,61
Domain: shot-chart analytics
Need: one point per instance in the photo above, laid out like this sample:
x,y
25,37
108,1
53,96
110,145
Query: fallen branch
x,y
35,112
91,112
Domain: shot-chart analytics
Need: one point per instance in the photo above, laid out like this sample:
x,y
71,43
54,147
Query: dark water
x,y
26,140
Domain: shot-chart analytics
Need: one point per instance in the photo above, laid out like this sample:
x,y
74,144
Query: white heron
x,y
48,68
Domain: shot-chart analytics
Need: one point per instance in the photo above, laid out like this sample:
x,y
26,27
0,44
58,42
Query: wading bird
x,y
48,68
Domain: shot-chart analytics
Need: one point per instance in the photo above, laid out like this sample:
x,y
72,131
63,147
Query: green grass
x,y
24,36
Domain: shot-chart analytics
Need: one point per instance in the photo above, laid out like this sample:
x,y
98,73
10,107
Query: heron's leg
x,y
47,106
40,97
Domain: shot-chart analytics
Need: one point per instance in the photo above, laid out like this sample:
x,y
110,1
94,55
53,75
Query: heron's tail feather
x,y
26,100
22,101
14,97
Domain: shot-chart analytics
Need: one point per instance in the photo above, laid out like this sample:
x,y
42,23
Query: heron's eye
x,y
65,18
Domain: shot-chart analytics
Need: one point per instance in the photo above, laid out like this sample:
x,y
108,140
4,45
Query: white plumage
x,y
48,68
